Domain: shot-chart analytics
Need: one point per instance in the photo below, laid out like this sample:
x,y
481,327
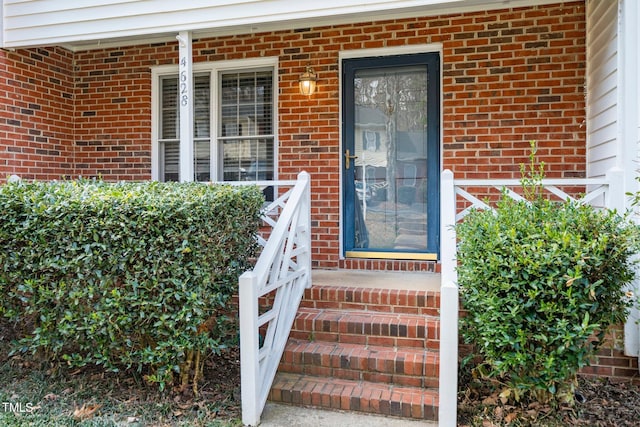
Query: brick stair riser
x,y
408,402
408,367
392,330
425,303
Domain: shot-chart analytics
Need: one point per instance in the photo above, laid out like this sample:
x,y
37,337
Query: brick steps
x,y
363,349
373,299
366,328
401,366
364,396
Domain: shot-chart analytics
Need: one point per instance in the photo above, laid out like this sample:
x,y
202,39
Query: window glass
x,y
246,126
244,138
169,143
169,103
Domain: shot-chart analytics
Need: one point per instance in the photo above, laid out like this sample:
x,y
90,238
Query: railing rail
x,y
284,269
607,192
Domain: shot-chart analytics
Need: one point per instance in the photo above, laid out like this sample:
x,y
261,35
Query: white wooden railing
x,y
606,192
282,272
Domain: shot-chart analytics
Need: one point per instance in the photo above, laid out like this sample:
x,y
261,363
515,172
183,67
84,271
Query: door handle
x,y
347,159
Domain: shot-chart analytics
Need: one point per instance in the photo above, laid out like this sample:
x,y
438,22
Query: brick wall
x,y
509,76
36,113
113,110
610,360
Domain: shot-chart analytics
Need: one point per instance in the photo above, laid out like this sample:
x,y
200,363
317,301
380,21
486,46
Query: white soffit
x,y
88,24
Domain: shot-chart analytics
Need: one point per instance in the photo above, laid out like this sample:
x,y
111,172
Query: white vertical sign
x,y
185,100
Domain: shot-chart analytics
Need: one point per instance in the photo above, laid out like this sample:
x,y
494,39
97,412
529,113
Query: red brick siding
x,y
610,360
36,113
508,76
113,110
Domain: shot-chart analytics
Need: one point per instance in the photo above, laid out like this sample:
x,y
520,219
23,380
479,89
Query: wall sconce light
x,y
308,81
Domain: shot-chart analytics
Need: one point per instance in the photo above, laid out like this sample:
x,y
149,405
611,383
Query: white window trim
x,y
214,68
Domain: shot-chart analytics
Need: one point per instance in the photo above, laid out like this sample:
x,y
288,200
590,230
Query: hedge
x,y
542,282
125,275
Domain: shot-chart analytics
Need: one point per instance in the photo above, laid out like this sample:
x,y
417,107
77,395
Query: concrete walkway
x,y
278,415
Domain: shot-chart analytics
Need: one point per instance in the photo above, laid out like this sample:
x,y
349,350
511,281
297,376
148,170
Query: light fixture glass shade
x,y
308,82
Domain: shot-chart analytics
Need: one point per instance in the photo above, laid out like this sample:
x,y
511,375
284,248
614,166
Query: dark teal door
x,y
391,156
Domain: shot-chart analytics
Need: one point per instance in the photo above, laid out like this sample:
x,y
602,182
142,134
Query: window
x,y
246,126
169,141
238,103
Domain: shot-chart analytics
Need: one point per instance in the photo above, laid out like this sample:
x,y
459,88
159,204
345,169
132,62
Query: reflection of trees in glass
x,y
400,95
402,91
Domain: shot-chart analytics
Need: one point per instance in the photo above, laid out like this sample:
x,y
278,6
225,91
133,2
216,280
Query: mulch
x,y
600,402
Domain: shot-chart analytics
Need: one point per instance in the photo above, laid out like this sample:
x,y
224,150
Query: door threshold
x,y
404,280
417,256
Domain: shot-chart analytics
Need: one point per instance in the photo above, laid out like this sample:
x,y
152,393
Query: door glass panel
x,y
390,145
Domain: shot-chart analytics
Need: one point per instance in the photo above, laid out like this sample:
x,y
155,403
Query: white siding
x,y
87,22
602,86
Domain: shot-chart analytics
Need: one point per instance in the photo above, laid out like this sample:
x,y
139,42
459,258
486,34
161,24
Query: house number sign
x,y
185,90
184,87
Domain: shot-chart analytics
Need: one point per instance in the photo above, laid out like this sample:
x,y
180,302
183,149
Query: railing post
x,y
615,197
447,222
185,40
448,387
249,348
305,201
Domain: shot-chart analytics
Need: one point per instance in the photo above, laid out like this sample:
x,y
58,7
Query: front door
x,y
391,156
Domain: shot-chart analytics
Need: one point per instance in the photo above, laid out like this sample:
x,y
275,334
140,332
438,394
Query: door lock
x,y
347,159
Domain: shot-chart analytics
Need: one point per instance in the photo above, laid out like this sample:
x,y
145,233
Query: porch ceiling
x,y
112,23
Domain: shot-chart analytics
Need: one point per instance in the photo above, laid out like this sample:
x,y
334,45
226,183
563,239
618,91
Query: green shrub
x,y
541,283
127,275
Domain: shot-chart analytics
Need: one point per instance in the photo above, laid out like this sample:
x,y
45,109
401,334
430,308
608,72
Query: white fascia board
x,y
94,23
